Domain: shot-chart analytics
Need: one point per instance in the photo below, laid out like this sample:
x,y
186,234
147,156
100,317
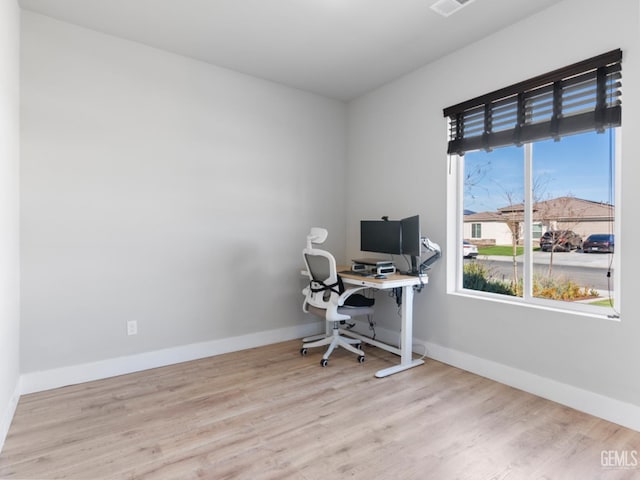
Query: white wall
x,y
164,190
9,212
399,132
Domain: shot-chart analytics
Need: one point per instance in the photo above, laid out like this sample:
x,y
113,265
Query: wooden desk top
x,y
392,281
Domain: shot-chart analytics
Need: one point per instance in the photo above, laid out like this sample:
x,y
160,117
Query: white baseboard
x,y
7,417
610,409
607,408
60,377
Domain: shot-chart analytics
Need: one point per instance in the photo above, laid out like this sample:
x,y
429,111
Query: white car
x,y
469,250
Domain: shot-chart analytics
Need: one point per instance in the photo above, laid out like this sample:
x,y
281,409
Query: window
x,y
536,230
538,161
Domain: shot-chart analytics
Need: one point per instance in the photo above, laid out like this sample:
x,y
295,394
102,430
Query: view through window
x,y
545,213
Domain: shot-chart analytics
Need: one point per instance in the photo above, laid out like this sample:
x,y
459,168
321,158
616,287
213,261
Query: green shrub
x,y
477,276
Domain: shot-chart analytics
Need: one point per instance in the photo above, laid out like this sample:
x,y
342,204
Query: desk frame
x,y
407,283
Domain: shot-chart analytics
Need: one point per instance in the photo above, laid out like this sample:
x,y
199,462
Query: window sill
x,y
580,310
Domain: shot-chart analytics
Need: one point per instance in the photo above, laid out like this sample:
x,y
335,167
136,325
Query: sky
x,y
576,166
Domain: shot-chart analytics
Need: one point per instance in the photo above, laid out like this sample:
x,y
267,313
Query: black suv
x,y
560,241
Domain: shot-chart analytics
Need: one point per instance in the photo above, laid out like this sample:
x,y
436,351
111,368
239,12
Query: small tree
x,y
514,217
555,214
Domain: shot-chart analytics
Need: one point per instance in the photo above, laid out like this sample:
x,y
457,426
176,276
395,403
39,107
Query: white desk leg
x,y
406,337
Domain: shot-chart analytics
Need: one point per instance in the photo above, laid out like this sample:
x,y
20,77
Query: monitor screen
x,y
411,237
381,236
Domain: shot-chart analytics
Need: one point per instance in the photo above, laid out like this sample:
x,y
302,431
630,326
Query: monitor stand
x,y
415,266
376,262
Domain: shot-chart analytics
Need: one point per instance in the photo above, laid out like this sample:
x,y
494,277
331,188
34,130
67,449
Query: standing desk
x,y
406,282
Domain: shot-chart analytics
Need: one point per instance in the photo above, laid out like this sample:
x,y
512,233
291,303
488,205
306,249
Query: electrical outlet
x,y
132,327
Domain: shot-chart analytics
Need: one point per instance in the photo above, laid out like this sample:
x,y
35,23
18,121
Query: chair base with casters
x,y
335,340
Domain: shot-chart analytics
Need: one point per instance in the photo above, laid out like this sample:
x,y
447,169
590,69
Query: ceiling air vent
x,y
448,7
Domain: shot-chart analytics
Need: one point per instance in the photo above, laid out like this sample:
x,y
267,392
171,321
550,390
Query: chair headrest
x,y
317,235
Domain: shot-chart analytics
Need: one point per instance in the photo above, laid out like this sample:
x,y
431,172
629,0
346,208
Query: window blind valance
x,y
581,97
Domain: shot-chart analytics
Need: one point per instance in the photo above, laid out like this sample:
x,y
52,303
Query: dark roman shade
x,y
578,98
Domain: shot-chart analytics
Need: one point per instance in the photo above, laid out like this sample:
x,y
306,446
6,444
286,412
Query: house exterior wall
x,y
497,233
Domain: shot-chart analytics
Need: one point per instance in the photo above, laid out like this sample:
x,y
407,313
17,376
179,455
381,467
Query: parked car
x,y
469,250
599,242
560,241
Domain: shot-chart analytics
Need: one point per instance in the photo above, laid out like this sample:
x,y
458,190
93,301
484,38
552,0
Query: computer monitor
x,y
411,241
381,236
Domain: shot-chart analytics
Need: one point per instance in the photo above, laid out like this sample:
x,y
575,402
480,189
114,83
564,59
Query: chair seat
x,y
351,311
355,311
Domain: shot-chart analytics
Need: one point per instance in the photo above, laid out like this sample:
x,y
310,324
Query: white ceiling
x,y
337,48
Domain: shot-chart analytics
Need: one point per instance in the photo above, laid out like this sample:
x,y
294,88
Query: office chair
x,y
326,297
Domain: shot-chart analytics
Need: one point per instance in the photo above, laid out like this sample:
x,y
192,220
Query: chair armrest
x,y
333,315
335,302
347,293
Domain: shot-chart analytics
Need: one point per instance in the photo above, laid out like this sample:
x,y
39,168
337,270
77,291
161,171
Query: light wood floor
x,y
268,413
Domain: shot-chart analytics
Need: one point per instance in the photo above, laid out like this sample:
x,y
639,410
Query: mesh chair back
x,y
323,277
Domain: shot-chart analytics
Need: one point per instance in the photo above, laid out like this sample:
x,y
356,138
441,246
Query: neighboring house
x,y
486,228
563,213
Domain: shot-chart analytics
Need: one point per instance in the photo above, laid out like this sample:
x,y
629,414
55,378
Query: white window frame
x,y
455,237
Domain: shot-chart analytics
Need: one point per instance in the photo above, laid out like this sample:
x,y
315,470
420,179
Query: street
x,y
588,270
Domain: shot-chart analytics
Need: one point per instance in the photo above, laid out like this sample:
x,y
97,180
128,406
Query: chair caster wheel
x,y
303,351
361,358
324,362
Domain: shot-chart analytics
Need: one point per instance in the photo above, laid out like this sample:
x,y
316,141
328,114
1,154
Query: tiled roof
x,y
565,208
484,217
